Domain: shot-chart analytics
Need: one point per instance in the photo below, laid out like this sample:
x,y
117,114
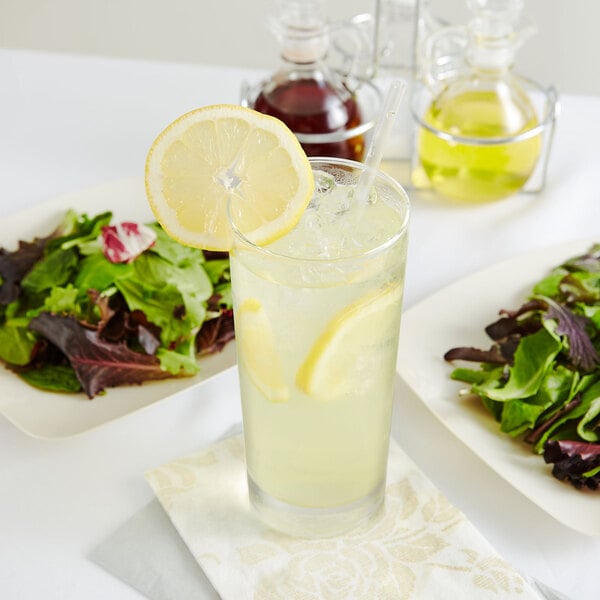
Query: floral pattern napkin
x,y
419,547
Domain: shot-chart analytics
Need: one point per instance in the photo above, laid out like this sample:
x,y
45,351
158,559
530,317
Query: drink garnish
x,y
324,372
217,153
259,352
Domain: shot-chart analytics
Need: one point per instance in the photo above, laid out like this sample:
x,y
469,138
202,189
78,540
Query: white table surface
x,y
69,123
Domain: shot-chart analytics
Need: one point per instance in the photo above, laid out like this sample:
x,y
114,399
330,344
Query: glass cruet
x,y
318,103
480,138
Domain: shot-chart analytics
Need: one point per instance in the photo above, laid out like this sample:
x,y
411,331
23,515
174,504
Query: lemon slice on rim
x,y
257,351
328,369
226,151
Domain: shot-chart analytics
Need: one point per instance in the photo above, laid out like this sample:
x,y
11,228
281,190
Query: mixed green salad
x,y
540,379
96,304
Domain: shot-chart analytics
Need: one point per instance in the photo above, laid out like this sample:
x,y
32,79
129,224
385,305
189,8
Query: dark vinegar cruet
x,y
312,100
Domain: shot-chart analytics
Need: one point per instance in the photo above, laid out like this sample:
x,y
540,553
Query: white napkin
x,y
420,547
147,553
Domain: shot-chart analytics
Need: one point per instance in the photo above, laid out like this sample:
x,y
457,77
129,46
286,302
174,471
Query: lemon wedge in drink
x,y
329,369
215,153
257,351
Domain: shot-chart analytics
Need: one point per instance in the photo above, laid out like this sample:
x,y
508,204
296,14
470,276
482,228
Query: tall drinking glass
x,y
317,317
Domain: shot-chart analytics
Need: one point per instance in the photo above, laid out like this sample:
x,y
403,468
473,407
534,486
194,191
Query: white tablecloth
x,y
69,123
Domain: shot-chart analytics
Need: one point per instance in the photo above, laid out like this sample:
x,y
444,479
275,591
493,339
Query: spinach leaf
x,y
52,378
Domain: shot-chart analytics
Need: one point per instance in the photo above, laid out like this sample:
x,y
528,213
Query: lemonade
x,y
317,256
317,316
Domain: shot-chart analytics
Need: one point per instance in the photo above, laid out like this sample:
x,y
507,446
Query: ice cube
x,y
324,182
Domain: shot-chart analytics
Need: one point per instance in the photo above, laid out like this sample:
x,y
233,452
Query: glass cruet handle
x,y
351,53
443,56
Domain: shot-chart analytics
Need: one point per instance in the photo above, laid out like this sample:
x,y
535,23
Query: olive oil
x,y
479,138
481,170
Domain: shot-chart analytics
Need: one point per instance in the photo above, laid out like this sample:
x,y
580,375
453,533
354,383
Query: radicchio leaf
x,y
98,364
124,242
575,462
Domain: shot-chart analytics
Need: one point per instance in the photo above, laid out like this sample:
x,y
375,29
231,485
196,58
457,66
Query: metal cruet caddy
x,y
469,130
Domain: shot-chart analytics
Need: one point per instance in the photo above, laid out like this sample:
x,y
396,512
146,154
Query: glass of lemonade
x,y
317,317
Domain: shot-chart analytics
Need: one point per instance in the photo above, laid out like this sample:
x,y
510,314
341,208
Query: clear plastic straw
x,y
389,111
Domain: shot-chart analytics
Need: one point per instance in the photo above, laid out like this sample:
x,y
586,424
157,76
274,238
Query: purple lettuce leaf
x,y
492,356
574,461
215,333
581,350
589,261
15,265
97,363
511,324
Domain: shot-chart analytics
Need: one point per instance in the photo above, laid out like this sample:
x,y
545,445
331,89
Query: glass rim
x,y
369,254
551,111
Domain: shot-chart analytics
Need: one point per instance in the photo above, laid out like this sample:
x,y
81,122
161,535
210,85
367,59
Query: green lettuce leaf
x,y
79,230
519,416
589,425
172,251
16,344
97,273
56,268
217,270
177,362
173,297
533,357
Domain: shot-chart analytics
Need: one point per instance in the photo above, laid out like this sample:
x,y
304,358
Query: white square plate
x,y
50,415
456,316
